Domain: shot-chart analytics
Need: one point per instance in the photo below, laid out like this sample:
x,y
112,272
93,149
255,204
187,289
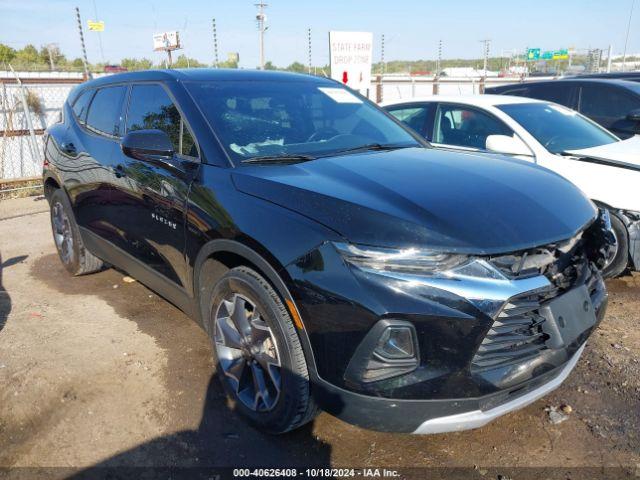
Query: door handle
x,y
119,171
68,148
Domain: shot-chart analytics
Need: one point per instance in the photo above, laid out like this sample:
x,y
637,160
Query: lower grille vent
x,y
516,334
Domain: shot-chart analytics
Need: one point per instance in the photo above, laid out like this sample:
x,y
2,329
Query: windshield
x,y
557,128
272,119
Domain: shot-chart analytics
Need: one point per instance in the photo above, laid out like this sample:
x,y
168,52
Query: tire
x,y
245,293
618,264
66,236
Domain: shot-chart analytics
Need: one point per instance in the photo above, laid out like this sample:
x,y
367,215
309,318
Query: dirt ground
x,y
95,371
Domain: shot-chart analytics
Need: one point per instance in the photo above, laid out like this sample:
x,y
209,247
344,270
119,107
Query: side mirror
x,y
144,144
634,115
507,145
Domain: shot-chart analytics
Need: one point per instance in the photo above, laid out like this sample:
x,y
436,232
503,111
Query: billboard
x,y
166,41
96,26
350,58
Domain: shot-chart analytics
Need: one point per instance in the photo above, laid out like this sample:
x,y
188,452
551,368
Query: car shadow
x,y
5,299
222,441
220,437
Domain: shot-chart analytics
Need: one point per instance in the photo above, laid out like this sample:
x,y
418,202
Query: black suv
x,y
614,104
333,259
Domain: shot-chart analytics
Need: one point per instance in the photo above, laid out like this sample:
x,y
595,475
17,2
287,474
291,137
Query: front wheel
x,y
619,259
258,352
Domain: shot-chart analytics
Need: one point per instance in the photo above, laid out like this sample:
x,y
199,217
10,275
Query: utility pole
x,y
216,61
309,43
261,19
626,39
487,43
51,48
87,73
383,66
609,60
439,62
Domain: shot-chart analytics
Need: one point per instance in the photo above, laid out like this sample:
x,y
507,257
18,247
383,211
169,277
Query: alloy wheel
x,y
247,353
62,232
611,255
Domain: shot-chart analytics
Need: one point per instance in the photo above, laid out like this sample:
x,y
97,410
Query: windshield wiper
x,y
282,158
376,147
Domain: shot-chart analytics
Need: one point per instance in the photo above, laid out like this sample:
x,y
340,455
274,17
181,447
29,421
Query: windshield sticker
x,y
253,148
340,95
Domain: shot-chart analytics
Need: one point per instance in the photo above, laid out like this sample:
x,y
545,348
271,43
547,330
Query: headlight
x,y
409,260
412,269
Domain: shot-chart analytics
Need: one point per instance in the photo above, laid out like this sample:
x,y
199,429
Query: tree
x,y
133,64
228,64
297,67
28,56
270,66
51,52
7,54
185,62
77,63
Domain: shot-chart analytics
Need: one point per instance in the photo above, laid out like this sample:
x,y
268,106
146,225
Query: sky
x,y
412,28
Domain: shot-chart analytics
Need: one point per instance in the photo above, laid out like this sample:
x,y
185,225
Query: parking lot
x,y
98,370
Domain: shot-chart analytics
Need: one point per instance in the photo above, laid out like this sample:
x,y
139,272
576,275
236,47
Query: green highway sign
x,y
561,54
533,54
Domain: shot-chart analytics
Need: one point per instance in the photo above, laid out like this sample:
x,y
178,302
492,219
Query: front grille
x,y
516,334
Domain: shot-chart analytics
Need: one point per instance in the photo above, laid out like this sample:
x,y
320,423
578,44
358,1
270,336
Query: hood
x,y
624,154
450,201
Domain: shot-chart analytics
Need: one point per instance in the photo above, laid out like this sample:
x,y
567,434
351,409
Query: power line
x,y
95,11
626,40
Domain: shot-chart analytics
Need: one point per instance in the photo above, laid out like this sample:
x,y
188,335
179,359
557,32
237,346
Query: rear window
x,y
81,104
105,110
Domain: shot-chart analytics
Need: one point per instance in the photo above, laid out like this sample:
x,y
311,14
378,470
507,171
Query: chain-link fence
x,y
390,88
27,107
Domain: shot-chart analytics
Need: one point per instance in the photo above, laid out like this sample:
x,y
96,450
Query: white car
x,y
606,168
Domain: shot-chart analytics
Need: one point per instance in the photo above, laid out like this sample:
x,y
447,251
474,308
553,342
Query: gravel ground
x,y
95,371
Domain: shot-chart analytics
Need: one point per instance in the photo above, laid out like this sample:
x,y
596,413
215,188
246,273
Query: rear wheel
x,y
66,235
258,353
618,261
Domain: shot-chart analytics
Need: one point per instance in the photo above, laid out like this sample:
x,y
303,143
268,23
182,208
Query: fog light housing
x,y
389,349
396,343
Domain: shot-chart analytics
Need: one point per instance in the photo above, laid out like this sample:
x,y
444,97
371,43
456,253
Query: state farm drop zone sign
x,y
351,56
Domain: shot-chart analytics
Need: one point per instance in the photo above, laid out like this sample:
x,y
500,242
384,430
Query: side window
x,y
151,108
557,93
413,116
81,104
520,92
466,127
105,110
605,101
